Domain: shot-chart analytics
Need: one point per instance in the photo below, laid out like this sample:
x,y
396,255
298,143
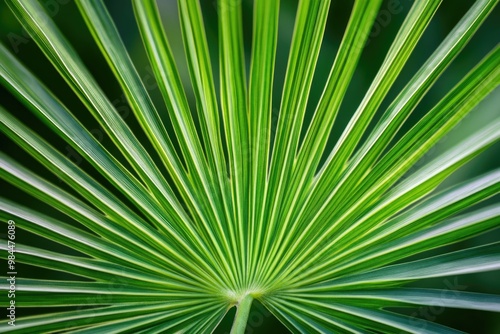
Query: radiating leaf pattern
x,y
248,210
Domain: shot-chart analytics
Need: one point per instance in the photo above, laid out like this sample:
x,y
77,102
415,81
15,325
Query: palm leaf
x,y
212,206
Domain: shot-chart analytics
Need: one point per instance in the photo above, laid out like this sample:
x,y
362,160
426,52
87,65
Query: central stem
x,y
242,312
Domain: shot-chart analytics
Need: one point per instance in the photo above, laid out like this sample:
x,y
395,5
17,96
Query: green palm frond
x,y
185,214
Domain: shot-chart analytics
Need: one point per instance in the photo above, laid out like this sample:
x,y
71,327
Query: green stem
x,y
242,312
